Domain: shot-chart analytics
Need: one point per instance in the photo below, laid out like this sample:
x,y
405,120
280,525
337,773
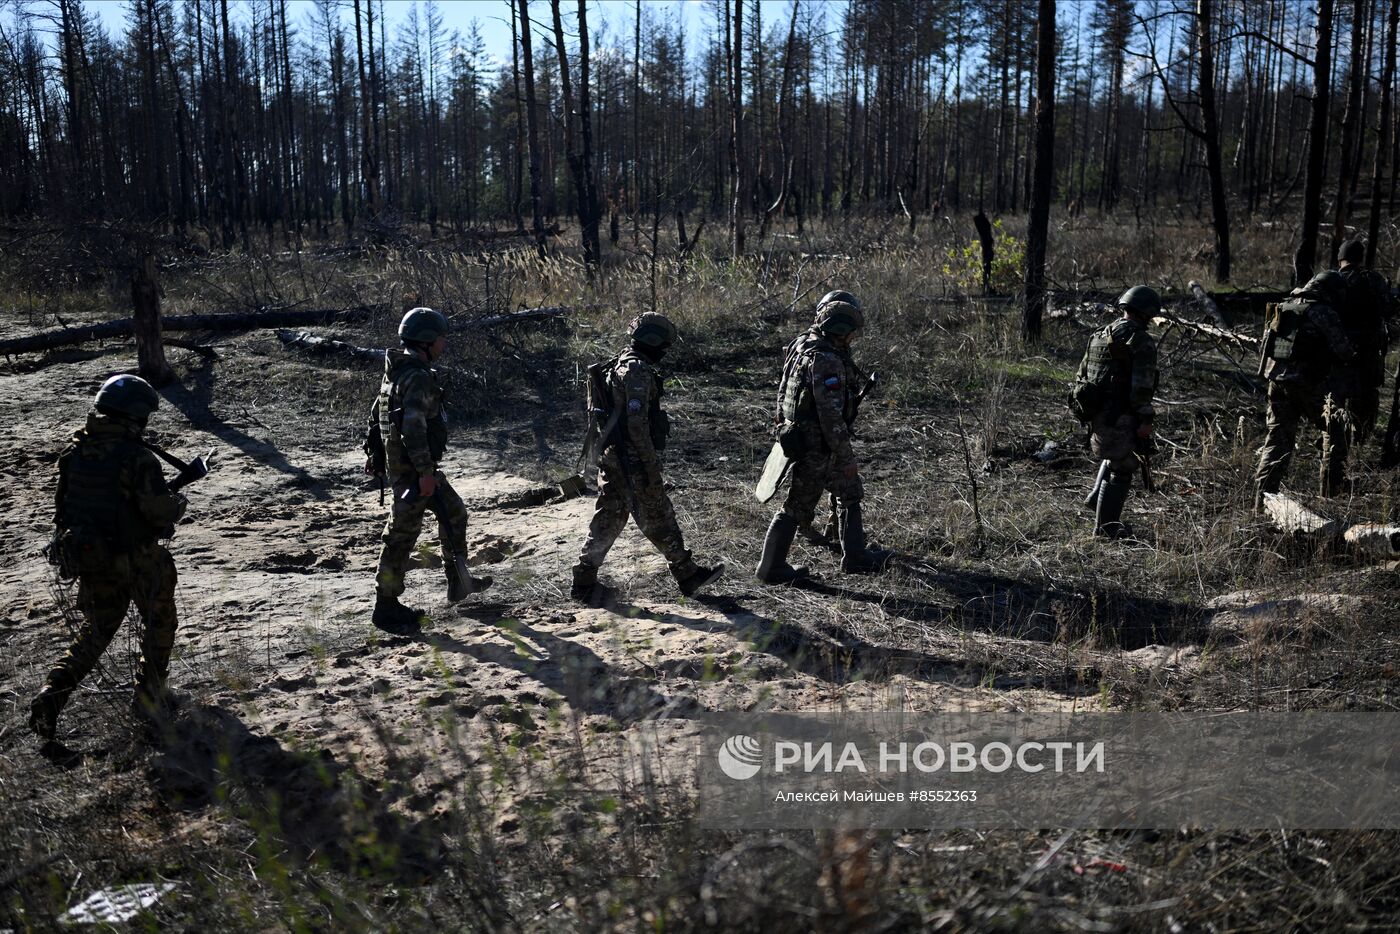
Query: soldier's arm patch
x,y
832,383
634,406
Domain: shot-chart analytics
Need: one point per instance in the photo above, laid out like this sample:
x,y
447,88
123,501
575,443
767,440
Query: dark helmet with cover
x,y
839,318
1327,286
838,295
422,326
128,396
652,329
1352,251
1142,299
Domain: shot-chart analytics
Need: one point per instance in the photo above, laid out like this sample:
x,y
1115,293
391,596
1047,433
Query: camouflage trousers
x,y
1363,406
146,577
406,524
1115,440
812,475
1289,405
630,490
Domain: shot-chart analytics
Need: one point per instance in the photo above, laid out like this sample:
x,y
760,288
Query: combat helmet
x,y
422,326
652,329
839,318
838,295
1352,251
127,396
1142,299
1327,286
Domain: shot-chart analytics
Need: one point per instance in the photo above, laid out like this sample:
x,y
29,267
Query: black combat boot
x,y
460,583
586,589
392,616
691,576
44,711
1108,518
773,567
153,705
856,557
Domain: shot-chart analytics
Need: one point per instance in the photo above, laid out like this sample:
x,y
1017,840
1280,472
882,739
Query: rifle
x,y
1143,450
196,469
872,383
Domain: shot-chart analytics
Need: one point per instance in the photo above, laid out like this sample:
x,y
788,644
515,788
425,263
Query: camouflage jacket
x,y
1323,356
111,485
1365,316
819,391
642,425
1122,360
411,417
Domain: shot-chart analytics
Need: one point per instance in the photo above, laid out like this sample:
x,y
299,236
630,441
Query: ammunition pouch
x,y
792,440
1282,322
1086,400
437,438
74,550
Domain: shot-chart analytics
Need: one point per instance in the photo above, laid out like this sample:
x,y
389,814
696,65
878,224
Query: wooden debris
x,y
1365,538
326,346
1381,541
1207,304
1292,516
254,320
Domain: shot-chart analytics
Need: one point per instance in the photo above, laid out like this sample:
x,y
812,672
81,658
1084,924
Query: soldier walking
x,y
1113,395
113,506
1365,314
1309,363
816,407
411,422
625,394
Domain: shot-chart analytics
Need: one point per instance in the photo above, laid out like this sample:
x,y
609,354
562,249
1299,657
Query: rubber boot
x,y
585,588
392,616
691,576
773,567
1108,518
460,583
856,557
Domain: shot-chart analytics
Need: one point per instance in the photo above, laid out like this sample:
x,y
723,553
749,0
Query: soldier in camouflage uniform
x,y
816,407
112,508
410,418
1310,365
1365,315
1115,384
629,464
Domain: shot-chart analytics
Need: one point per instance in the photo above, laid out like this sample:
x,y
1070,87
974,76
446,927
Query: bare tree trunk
x,y
1373,226
369,161
582,190
1044,171
532,127
585,116
1356,78
145,301
1210,127
736,134
1306,254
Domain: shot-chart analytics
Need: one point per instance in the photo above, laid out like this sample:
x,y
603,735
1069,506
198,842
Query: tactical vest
x,y
93,499
391,411
795,402
658,424
1108,365
1284,321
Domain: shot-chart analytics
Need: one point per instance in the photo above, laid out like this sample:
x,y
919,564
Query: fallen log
x,y
1289,515
239,321
1207,304
329,346
254,320
1366,538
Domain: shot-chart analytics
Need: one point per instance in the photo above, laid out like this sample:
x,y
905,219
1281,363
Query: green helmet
x,y
127,395
839,318
1353,251
1328,286
839,295
652,329
422,326
1142,299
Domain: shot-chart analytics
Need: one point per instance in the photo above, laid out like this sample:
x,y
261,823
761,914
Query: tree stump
x,y
151,364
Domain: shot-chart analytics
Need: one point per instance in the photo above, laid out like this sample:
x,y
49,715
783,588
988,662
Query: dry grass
x,y
1026,597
